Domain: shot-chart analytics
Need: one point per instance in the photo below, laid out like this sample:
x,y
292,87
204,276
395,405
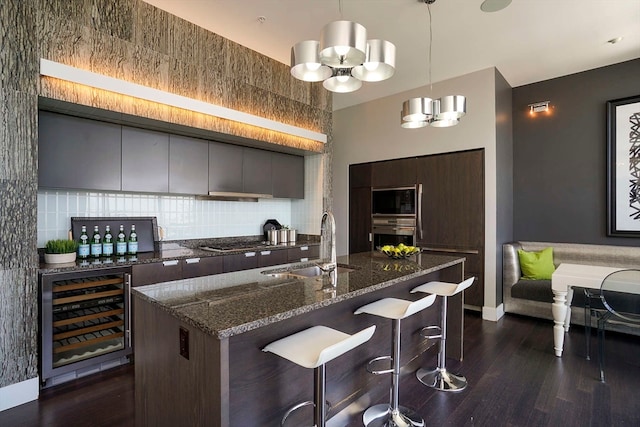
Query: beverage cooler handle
x,y
419,212
127,284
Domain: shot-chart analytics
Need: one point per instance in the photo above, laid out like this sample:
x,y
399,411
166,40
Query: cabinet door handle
x,y
127,285
170,263
304,259
249,254
265,253
304,248
192,260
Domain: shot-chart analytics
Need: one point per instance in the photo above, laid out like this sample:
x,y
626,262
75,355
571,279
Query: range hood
x,y
230,196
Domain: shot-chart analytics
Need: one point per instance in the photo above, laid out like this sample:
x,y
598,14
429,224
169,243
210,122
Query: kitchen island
x,y
198,341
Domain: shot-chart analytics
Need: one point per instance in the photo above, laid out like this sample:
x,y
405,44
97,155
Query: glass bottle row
x,y
104,246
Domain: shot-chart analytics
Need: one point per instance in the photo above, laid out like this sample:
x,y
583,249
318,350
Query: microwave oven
x,y
395,201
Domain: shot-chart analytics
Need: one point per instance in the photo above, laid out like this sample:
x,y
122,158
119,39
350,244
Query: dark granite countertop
x,y
179,249
228,304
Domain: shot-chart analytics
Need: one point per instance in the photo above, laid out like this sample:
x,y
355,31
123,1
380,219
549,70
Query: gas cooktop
x,y
237,246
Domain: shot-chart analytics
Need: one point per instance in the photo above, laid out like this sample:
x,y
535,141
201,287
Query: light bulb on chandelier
x,y
442,112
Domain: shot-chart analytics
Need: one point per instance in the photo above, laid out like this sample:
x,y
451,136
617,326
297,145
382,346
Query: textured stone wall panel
x,y
112,17
18,325
151,28
18,130
17,35
18,219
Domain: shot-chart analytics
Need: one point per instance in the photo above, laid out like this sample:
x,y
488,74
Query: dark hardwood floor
x,y
514,380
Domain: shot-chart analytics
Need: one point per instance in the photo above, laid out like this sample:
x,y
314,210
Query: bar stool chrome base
x,y
441,379
383,416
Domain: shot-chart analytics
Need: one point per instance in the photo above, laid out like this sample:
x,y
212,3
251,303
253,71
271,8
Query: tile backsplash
x,y
184,217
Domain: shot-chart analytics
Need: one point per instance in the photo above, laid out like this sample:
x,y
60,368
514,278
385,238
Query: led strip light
x,y
122,87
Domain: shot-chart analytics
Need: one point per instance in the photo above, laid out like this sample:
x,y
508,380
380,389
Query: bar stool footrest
x,y
437,336
298,406
383,416
380,371
441,379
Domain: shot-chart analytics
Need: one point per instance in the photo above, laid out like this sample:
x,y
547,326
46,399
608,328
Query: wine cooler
x,y
85,323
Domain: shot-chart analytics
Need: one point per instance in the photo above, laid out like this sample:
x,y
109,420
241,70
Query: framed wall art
x,y
623,167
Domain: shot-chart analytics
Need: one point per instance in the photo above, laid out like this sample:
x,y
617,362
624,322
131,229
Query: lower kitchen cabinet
x,y
303,253
272,257
244,261
156,272
197,267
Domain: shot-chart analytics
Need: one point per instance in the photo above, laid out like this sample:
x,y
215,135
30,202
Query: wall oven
x,y
395,215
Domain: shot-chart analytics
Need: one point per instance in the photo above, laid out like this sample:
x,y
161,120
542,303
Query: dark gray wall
x,y
504,174
559,160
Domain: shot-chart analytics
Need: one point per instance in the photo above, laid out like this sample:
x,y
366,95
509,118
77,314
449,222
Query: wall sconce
x,y
539,107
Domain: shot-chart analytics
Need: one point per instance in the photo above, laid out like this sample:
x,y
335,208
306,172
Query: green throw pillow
x,y
536,265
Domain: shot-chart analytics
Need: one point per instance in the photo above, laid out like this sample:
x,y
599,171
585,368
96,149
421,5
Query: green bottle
x,y
107,242
96,245
133,241
121,242
83,244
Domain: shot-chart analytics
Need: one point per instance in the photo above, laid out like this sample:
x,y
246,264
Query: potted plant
x,y
60,251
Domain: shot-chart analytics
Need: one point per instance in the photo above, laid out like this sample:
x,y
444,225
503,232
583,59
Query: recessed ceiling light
x,y
494,5
262,19
615,40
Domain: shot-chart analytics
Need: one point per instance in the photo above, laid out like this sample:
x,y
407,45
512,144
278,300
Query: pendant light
x,y
343,58
443,112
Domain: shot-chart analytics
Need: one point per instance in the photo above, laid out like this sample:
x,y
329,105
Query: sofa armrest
x,y
510,265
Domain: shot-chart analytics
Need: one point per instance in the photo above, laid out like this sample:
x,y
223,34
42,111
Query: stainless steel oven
x,y
393,230
395,201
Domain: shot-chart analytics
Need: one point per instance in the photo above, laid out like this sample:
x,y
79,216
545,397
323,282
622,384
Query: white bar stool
x,y
313,348
439,378
392,414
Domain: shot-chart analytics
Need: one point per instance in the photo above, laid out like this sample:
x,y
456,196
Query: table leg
x,y
567,319
559,310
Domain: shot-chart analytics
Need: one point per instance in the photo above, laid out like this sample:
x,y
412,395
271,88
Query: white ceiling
x,y
529,41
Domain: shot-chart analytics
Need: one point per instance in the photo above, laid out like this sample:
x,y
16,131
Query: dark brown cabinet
x,y
156,272
188,165
287,172
256,171
78,153
303,253
394,173
198,267
453,210
244,261
271,257
145,160
360,208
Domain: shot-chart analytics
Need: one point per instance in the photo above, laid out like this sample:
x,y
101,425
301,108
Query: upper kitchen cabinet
x,y
256,171
287,172
145,160
78,153
188,165
225,167
394,173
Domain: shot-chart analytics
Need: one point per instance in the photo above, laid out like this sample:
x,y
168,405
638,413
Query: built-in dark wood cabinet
x,y
360,208
78,153
225,167
205,266
267,258
156,272
394,173
303,253
145,160
453,210
287,173
256,171
188,165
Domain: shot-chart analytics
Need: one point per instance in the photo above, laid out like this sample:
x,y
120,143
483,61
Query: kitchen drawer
x,y
268,258
205,266
303,253
244,261
146,274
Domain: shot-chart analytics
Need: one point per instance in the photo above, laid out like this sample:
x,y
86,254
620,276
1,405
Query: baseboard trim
x,y
19,393
493,313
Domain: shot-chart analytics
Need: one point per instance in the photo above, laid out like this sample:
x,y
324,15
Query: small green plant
x,y
61,246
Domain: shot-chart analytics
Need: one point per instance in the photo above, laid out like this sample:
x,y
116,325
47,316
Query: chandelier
x,y
343,58
442,112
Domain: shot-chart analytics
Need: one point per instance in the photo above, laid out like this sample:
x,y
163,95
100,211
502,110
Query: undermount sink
x,y
304,272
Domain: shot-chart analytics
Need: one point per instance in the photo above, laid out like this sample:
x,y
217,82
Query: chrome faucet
x,y
328,241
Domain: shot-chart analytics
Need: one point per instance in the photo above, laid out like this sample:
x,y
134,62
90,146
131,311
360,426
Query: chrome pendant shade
x,y
343,58
442,112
